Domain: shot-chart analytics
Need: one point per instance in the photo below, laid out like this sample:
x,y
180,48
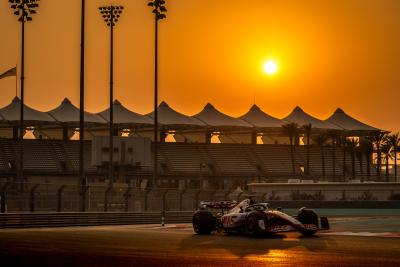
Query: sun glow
x,y
270,67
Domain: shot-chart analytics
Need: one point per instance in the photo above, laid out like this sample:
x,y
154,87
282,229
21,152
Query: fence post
x,y
109,188
59,198
146,192
3,197
164,194
32,197
127,196
83,194
181,193
196,199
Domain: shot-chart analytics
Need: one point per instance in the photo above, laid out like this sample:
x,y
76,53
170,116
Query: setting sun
x,y
270,67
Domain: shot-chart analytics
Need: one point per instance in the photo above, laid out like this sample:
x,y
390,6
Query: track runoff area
x,y
352,241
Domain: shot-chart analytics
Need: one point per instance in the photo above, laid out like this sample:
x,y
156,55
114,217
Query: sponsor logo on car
x,y
280,228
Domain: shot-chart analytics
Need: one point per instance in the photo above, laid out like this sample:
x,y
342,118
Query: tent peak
x,y
16,99
163,104
339,110
66,101
116,102
209,106
297,109
255,107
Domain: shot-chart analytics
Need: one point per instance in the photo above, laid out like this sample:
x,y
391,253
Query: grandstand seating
x,y
276,159
183,159
232,159
38,155
4,155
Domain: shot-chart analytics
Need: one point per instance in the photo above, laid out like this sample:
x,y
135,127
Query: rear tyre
x,y
307,216
203,222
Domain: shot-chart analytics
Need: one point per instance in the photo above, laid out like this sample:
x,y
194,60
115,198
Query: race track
x,y
177,245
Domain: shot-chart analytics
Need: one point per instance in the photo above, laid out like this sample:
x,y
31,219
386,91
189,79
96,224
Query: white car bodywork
x,y
276,221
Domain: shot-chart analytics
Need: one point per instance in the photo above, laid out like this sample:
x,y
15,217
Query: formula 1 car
x,y
254,219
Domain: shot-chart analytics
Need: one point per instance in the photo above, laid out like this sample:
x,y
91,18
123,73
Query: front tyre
x,y
252,228
203,222
310,218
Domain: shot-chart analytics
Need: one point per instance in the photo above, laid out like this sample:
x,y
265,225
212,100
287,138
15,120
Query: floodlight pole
x,y
155,160
111,170
159,11
21,106
111,15
23,9
82,178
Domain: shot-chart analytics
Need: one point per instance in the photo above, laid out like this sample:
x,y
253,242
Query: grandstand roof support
x,y
208,137
254,138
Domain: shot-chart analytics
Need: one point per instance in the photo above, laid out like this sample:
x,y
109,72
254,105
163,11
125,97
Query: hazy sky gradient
x,y
331,53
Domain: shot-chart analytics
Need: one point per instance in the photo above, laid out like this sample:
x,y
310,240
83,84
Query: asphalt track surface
x,y
348,244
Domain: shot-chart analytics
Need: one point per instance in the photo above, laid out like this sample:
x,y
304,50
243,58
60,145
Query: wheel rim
x,y
251,226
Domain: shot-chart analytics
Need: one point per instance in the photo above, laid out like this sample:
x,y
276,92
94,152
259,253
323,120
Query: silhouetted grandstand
x,y
253,146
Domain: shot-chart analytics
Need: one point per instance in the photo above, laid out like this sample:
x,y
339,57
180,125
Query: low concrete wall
x,y
326,191
315,204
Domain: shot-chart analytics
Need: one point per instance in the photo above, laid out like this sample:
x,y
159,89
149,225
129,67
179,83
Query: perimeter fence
x,y
50,197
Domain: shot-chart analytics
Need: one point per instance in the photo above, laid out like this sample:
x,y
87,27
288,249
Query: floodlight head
x,y
24,9
111,14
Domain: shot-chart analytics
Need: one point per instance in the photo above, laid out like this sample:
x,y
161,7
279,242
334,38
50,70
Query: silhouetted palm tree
x,y
394,141
351,147
360,155
334,136
377,139
367,149
343,143
307,129
291,130
386,151
320,140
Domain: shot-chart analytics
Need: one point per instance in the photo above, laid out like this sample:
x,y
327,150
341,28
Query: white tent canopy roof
x,y
341,119
66,112
170,117
260,119
302,118
214,118
124,116
11,113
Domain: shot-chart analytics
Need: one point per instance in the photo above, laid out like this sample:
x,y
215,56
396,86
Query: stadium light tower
x,y
159,12
23,9
82,177
111,15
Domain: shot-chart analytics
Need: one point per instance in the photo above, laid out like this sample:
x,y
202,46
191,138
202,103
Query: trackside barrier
x,y
29,220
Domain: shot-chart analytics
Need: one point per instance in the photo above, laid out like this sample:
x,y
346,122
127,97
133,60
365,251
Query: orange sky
x,y
331,53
